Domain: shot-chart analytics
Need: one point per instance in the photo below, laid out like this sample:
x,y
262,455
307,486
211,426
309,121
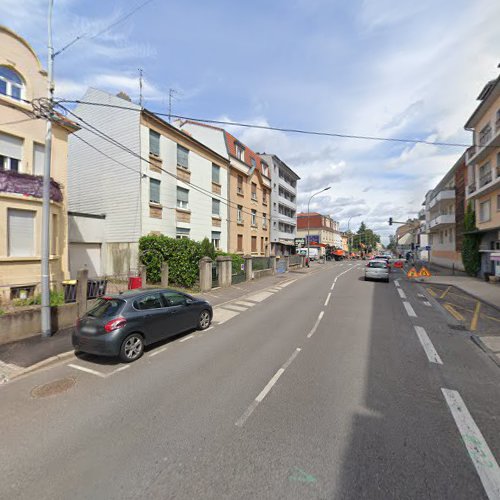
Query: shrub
x,y
208,250
471,257
182,256
56,299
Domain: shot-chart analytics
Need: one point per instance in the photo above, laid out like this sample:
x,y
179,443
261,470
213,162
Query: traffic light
x,y
390,221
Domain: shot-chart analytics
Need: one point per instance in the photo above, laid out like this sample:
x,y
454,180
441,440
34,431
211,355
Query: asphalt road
x,y
326,386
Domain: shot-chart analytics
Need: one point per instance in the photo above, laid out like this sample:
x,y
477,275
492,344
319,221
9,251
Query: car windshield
x,y
106,308
377,264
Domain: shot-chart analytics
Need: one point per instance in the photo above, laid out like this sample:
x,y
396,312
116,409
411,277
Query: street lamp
x,y
308,221
349,231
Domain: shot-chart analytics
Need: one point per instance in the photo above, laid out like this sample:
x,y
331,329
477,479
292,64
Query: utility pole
x,y
140,87
171,93
45,271
308,221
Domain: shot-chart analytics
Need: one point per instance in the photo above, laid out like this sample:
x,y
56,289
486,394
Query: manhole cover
x,y
53,388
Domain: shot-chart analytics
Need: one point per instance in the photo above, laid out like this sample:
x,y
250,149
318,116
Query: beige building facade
x,y
22,138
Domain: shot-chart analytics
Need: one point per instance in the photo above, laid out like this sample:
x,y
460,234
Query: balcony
x,y
27,185
485,179
487,140
440,221
448,194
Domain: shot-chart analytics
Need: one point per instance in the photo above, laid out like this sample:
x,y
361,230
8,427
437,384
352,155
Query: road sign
x,y
424,272
412,273
299,242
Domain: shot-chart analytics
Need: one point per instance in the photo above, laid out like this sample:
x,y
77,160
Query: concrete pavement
x,y
326,388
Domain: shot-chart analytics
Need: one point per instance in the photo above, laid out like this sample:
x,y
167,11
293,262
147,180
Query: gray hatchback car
x,y
377,270
122,325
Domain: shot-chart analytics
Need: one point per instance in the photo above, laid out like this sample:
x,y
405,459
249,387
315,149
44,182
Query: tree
x,y
471,257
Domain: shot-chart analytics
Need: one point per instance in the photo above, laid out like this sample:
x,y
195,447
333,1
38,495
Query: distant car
x,y
122,325
377,270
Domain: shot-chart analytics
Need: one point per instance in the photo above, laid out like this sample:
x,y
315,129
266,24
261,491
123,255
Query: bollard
x,y
82,278
248,267
205,266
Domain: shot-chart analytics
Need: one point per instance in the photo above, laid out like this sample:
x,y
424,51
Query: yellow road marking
x,y
431,291
475,317
443,295
491,317
453,312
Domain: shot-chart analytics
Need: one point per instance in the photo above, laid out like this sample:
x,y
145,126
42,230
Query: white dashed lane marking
x,y
432,354
402,294
409,309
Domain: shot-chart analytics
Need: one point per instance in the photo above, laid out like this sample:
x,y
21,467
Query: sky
x,y
383,68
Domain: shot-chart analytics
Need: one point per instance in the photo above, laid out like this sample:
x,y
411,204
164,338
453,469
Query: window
x,y
38,159
253,162
441,239
239,189
172,299
11,149
182,198
497,122
265,169
215,173
182,233
11,83
262,244
485,174
215,207
264,221
21,233
254,218
150,301
106,308
154,190
254,191
216,239
450,235
484,211
154,143
485,135
239,151
239,248
498,202
239,213
182,157
254,244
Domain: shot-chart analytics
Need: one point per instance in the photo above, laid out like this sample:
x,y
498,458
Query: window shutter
x,y
11,146
215,173
38,159
182,194
182,156
154,190
215,207
154,142
21,233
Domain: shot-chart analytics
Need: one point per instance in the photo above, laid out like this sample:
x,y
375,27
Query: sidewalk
x,y
25,355
489,293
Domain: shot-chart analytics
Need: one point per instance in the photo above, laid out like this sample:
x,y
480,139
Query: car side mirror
x,y
189,302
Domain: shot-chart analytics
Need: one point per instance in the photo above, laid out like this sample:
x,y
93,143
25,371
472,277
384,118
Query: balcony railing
x,y
27,185
471,187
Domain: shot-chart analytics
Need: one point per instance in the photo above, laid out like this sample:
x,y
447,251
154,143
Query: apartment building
x,y
156,179
444,217
283,205
323,229
248,187
483,174
22,156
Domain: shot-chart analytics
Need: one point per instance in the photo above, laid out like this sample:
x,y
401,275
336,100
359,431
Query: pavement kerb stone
x,y
477,340
43,364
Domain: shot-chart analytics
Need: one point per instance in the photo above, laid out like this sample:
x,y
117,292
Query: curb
x,y
477,340
43,364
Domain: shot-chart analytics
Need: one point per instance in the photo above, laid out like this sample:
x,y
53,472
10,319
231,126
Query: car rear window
x,y
378,264
105,308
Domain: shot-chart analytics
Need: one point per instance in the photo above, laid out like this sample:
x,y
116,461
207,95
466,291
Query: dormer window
x,y
239,151
11,83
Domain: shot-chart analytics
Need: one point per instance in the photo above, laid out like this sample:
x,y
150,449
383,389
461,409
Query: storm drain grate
x,y
53,388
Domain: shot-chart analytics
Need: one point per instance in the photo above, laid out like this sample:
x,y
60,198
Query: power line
x,y
102,135
107,28
283,129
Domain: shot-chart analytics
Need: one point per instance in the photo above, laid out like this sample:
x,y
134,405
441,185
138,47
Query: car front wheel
x,y
204,320
132,348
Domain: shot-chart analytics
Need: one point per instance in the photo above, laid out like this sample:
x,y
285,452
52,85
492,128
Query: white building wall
x,y
96,183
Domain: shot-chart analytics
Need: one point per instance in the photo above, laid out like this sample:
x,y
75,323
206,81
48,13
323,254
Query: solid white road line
x,y
286,283
233,307
241,421
409,309
189,337
259,297
222,315
333,285
245,304
328,298
402,294
87,370
158,351
120,369
396,282
432,354
479,451
315,327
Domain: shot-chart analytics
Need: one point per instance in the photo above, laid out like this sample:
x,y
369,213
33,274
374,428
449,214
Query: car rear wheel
x,y
132,348
204,320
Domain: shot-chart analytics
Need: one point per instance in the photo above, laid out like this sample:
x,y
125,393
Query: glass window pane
x,y
151,301
215,173
182,194
154,191
15,92
215,207
10,75
182,156
3,87
154,142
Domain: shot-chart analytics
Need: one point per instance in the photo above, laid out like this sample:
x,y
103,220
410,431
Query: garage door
x,y
85,255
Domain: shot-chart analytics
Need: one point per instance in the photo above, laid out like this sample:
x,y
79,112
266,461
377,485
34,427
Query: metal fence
x,y
95,288
215,275
261,263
